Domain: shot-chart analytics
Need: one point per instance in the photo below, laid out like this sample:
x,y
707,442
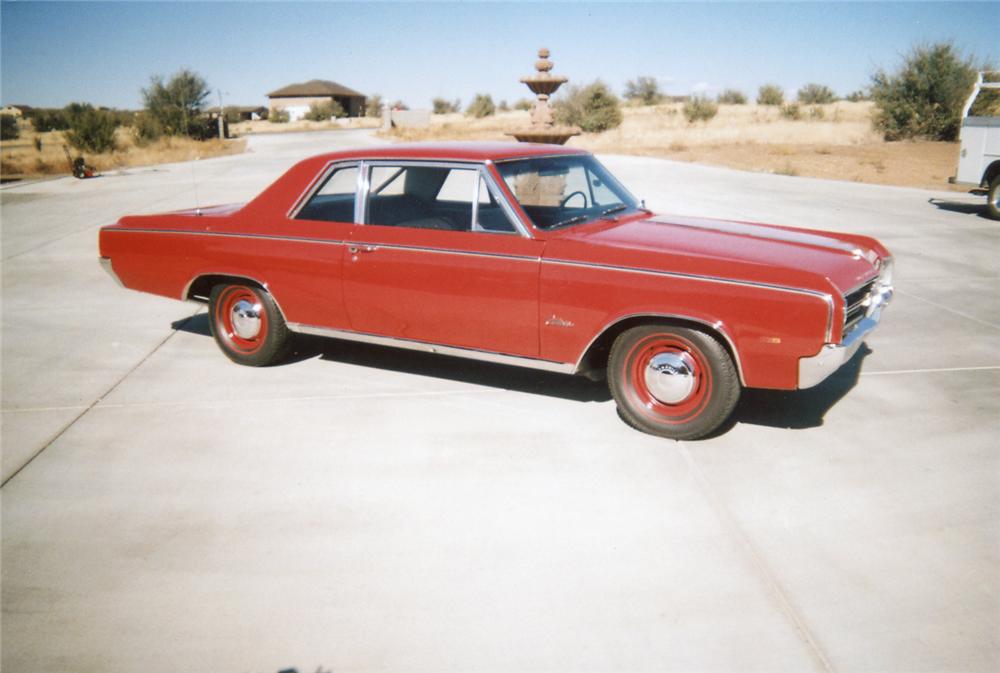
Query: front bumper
x,y
106,265
815,369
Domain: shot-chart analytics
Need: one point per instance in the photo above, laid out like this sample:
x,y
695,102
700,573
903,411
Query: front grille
x,y
856,305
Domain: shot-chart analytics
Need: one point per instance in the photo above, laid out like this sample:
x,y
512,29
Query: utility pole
x,y
222,121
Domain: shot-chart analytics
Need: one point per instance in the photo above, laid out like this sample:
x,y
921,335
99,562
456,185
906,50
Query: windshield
x,y
564,190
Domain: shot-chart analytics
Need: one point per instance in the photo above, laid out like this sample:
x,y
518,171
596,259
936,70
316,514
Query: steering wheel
x,y
562,204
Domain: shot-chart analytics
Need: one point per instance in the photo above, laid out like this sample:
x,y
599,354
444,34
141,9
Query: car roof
x,y
462,151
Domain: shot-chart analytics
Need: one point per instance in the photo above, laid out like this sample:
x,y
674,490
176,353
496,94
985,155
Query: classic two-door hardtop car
x,y
531,255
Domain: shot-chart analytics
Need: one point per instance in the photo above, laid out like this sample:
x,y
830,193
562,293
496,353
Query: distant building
x,y
15,110
297,98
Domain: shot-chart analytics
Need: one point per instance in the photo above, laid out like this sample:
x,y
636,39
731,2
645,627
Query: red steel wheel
x,y
247,324
672,381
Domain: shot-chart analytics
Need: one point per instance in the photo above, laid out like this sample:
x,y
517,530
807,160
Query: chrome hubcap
x,y
246,319
671,377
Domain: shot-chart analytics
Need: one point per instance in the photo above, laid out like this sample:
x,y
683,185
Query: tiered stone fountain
x,y
543,128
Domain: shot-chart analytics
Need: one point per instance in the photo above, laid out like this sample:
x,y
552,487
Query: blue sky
x,y
104,53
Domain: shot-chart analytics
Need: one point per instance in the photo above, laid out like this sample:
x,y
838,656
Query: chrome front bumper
x,y
815,369
106,265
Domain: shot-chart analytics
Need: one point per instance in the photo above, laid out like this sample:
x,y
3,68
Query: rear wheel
x,y
247,325
672,381
993,198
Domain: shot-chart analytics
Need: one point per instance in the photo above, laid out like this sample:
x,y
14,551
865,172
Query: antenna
x,y
194,184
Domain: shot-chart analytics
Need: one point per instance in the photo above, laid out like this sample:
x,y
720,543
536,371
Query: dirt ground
x,y
833,141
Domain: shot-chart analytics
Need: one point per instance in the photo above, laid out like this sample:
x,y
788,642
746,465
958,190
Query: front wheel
x,y
247,325
672,381
993,198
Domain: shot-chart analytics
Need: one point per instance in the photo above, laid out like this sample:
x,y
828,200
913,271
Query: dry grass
x,y
264,126
837,143
21,158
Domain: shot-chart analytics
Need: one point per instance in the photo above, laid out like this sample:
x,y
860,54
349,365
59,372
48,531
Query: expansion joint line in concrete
x,y
945,307
97,401
773,587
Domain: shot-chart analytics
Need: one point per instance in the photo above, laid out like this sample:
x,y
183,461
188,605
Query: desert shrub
x,y
373,105
90,129
502,106
644,90
207,128
987,103
146,129
177,103
481,106
857,96
321,112
791,111
523,104
443,106
699,108
924,97
732,97
278,116
8,127
49,120
398,105
592,107
770,94
816,112
816,94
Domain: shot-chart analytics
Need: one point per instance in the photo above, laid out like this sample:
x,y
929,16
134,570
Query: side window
x,y
421,197
334,201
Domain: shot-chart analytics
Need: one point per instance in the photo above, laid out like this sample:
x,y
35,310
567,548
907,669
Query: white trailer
x,y
979,159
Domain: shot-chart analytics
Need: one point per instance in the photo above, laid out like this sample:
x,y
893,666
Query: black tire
x,y
993,198
247,325
672,381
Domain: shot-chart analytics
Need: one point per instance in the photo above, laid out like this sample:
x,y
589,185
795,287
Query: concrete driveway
x,y
364,509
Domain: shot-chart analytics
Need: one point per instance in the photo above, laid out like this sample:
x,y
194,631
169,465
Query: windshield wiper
x,y
572,220
613,209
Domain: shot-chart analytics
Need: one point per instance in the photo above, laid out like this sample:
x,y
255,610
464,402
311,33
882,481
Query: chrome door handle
x,y
355,249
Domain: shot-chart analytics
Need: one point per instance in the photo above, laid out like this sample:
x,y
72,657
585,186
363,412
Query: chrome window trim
x,y
551,155
478,166
317,183
826,297
457,351
717,326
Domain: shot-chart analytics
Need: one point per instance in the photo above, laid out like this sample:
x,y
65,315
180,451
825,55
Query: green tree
x,y
592,107
816,94
924,97
175,104
8,128
481,106
373,105
443,106
523,104
90,129
643,90
49,120
770,94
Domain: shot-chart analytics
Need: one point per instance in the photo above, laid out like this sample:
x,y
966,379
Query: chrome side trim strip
x,y
448,251
323,241
826,297
225,234
717,327
110,269
411,344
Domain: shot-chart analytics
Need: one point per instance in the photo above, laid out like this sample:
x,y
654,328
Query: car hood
x,y
743,251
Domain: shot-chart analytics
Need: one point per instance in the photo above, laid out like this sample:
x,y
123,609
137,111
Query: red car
x,y
530,255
